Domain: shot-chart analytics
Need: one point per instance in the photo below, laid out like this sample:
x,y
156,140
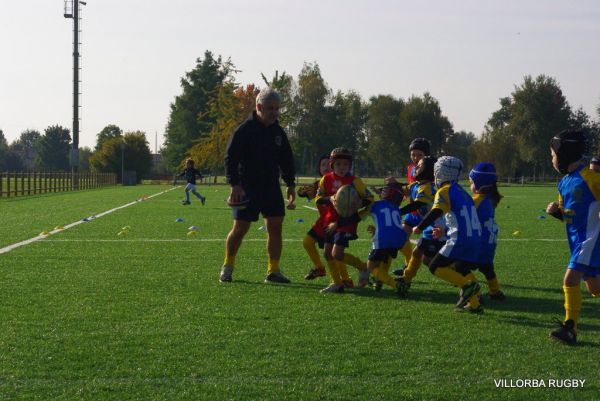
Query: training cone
x,y
179,220
193,228
59,228
192,233
122,233
44,233
517,233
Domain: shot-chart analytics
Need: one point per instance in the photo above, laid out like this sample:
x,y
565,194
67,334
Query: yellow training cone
x,y
192,233
44,233
59,228
517,232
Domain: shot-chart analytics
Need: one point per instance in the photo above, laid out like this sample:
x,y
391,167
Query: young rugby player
x,y
337,238
190,173
578,207
463,230
316,235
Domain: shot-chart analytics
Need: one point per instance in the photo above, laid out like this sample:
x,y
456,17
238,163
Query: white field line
x,y
251,240
84,220
311,208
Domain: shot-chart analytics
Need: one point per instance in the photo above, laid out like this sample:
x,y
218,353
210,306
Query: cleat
x,y
402,287
315,273
185,202
467,308
565,333
399,272
276,277
332,289
226,274
203,200
467,292
498,296
376,284
348,283
363,278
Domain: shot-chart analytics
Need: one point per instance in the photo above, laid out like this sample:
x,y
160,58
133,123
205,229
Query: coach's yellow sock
x,y
332,266
450,275
310,246
229,260
353,261
572,303
272,266
413,267
406,251
494,286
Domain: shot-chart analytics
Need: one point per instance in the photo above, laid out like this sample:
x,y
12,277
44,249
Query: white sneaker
x,y
226,274
332,288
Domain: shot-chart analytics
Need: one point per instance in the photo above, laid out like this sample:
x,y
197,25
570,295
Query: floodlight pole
x,y
74,156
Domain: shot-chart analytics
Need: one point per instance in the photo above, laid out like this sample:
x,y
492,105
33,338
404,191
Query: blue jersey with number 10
x,y
388,225
464,229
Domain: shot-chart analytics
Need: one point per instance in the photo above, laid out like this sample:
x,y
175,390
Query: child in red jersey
x,y
337,237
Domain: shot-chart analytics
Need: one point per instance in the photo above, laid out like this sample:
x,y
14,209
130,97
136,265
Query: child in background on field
x,y
337,239
190,173
463,235
595,164
486,197
578,207
316,235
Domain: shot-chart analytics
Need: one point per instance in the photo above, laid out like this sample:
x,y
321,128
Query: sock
x,y
471,277
197,195
451,276
332,266
572,303
272,266
353,261
406,250
229,260
494,286
343,271
187,196
412,268
381,273
310,246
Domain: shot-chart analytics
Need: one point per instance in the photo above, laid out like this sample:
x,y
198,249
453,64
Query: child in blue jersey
x,y
486,197
578,207
388,235
463,230
190,173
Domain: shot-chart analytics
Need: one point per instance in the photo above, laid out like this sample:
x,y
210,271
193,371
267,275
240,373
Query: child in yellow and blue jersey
x,y
422,193
486,197
463,230
578,207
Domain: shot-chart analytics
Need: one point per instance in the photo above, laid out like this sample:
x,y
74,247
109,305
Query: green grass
x,y
87,314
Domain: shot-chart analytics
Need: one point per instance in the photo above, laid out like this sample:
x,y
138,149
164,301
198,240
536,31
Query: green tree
x,y
422,117
111,131
385,139
3,150
190,118
84,159
346,119
53,149
132,149
27,146
284,85
459,144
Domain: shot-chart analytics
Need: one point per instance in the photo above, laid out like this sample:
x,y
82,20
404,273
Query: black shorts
x,y
340,238
382,255
320,240
266,201
440,260
430,246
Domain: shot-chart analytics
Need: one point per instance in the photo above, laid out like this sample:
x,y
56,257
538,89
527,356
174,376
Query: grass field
x,y
87,314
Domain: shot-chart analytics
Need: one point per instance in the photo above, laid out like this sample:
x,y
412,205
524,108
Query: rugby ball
x,y
346,201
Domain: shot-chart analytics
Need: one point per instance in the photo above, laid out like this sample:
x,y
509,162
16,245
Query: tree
x,y
3,150
459,144
231,106
53,148
190,118
84,159
386,142
136,155
422,117
285,86
111,131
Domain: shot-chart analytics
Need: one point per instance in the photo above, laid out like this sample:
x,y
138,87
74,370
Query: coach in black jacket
x,y
257,154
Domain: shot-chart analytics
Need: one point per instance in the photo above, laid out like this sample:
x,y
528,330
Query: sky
x,y
467,53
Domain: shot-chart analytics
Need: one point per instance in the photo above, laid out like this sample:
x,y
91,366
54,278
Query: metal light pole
x,y
122,162
72,11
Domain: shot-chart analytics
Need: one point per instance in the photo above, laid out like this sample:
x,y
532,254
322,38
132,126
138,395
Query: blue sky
x,y
466,53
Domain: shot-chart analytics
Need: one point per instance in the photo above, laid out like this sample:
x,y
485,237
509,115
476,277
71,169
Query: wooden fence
x,y
33,183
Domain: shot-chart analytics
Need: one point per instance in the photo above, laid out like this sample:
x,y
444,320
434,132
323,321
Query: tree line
x,y
317,119
378,130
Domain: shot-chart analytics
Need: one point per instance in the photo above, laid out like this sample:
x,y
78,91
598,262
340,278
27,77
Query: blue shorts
x,y
588,271
382,255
